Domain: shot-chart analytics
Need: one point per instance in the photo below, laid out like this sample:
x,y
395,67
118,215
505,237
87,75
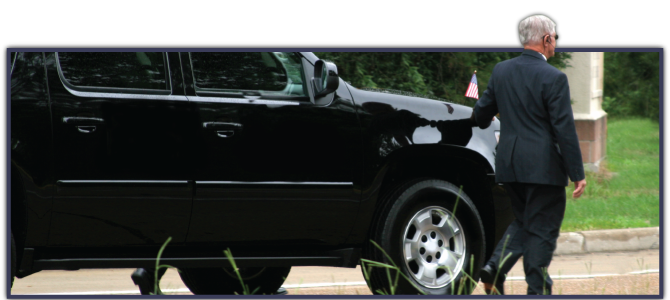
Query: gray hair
x,y
534,28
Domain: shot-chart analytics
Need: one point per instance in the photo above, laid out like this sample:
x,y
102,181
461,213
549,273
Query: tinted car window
x,y
271,73
138,70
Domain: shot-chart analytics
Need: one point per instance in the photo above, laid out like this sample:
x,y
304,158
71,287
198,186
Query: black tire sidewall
x,y
216,281
417,197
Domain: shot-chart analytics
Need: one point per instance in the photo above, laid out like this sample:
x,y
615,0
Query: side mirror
x,y
325,80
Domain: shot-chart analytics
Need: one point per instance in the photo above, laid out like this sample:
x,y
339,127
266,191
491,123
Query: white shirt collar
x,y
545,58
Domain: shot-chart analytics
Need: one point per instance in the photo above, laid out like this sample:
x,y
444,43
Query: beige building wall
x,y
585,76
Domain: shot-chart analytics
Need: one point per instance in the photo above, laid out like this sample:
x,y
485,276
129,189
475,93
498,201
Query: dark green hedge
x,y
437,75
631,84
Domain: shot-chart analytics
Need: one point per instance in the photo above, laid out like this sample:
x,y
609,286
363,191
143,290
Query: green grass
x,y
625,193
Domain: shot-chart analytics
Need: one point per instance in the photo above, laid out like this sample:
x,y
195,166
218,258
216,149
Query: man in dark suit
x,y
538,151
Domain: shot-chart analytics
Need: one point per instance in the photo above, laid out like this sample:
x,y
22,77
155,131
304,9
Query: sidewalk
x,y
609,240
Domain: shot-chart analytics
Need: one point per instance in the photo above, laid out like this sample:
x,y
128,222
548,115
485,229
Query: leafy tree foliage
x,y
437,75
631,84
144,70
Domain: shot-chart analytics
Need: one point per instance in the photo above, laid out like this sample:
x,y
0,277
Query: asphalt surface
x,y
624,272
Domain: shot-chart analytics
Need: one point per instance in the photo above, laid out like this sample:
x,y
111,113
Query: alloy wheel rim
x,y
434,247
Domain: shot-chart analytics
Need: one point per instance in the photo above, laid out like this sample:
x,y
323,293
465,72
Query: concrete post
x,y
585,76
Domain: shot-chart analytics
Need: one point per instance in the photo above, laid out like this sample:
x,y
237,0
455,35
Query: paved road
x,y
320,280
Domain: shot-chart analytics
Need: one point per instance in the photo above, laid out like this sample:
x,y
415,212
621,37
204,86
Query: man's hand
x,y
579,188
474,122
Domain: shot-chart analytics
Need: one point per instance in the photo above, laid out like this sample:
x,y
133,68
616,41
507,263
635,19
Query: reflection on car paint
x,y
396,127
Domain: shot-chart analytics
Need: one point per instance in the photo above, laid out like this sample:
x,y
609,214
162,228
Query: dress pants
x,y
539,211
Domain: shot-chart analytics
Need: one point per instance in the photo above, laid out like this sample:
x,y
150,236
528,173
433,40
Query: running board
x,y
341,258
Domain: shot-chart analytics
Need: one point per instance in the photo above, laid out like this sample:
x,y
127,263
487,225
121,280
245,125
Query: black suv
x,y
269,154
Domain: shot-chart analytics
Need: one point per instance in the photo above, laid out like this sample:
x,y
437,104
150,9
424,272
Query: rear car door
x,y
123,131
273,166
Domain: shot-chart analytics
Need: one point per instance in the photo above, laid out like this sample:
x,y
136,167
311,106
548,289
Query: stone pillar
x,y
585,76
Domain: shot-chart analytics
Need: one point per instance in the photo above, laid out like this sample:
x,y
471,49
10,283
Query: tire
x,y
224,281
435,240
13,261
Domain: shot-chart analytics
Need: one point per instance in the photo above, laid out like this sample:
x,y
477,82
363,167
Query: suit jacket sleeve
x,y
487,106
563,124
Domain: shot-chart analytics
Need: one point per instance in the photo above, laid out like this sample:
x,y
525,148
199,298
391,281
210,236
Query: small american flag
x,y
472,91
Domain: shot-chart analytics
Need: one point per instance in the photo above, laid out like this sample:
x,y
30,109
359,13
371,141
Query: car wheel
x,y
13,261
224,281
433,233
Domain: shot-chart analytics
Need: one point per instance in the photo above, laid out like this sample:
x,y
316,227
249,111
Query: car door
x,y
122,130
274,166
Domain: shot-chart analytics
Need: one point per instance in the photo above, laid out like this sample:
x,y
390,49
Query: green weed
x,y
367,266
157,290
245,287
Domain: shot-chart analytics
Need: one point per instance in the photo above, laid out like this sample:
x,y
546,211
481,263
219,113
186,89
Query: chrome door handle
x,y
223,129
225,133
86,129
84,124
82,120
222,125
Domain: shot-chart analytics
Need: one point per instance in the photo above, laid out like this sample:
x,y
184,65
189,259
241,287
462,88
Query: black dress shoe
x,y
145,280
488,275
281,291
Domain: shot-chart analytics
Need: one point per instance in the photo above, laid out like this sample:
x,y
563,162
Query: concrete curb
x,y
633,239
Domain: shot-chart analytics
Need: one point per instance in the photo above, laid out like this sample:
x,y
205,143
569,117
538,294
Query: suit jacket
x,y
538,140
